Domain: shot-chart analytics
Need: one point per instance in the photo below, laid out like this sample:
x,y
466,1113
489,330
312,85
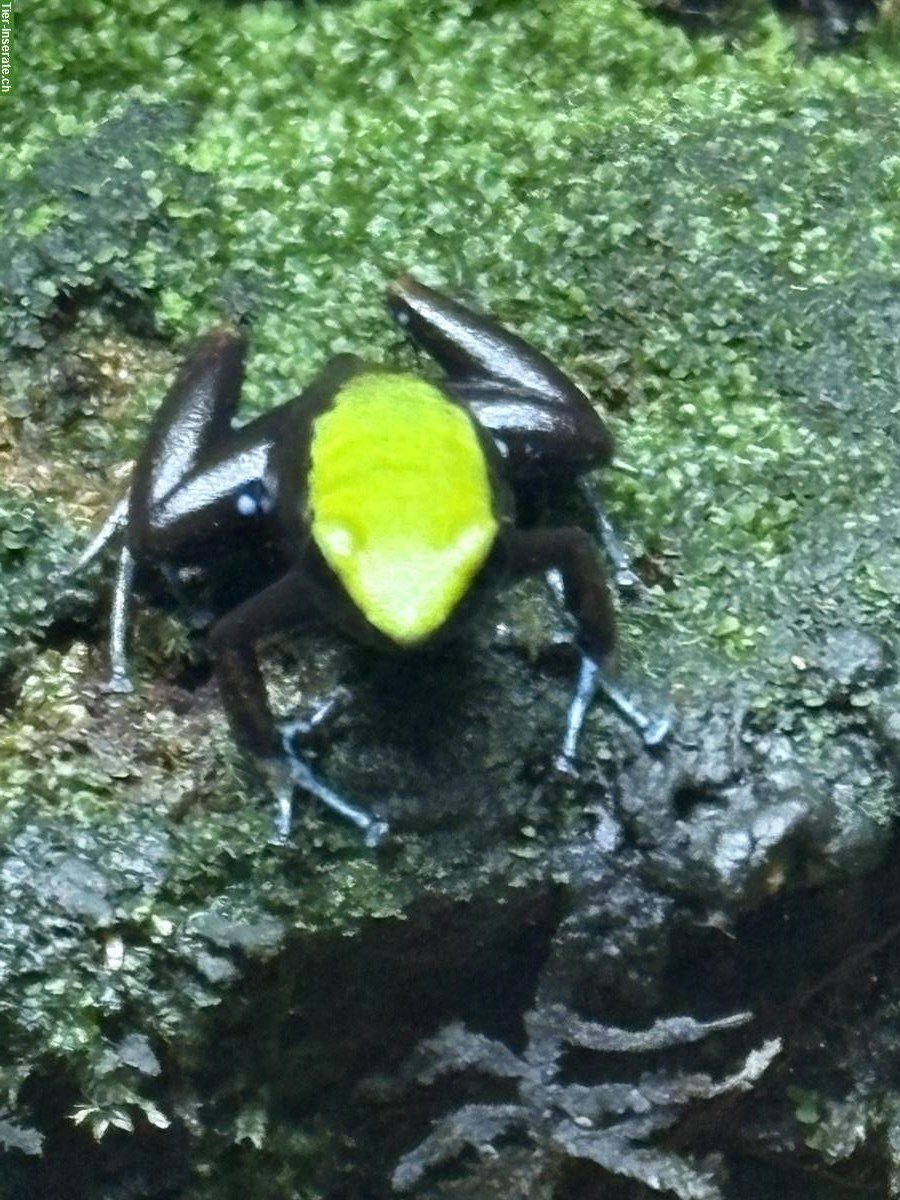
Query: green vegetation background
x,y
671,218
707,235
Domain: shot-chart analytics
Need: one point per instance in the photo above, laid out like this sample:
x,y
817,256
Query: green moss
x,y
746,300
641,231
111,218
708,239
31,550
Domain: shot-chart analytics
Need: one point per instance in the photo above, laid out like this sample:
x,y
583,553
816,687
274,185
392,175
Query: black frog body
x,y
377,500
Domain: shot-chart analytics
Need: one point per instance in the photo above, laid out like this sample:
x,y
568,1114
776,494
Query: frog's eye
x,y
254,500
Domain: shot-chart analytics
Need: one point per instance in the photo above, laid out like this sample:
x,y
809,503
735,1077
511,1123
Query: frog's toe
x,y
657,731
118,684
302,775
630,583
376,831
288,730
563,768
320,717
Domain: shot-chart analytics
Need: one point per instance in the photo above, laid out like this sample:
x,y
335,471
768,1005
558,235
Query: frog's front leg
x,y
544,425
119,680
193,419
116,521
194,416
284,604
570,552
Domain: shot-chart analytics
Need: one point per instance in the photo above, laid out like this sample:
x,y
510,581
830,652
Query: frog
x,y
379,501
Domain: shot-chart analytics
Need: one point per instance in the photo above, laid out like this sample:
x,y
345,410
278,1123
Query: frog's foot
x,y
592,679
628,581
320,717
118,684
298,773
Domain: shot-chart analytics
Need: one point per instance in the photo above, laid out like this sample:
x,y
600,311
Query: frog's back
x,y
401,501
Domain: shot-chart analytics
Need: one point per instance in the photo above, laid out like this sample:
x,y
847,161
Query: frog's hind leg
x,y
472,347
544,425
541,440
194,417
284,604
570,553
196,411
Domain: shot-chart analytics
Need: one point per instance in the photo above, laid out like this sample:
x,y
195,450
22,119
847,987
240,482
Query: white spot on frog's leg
x,y
401,317
246,505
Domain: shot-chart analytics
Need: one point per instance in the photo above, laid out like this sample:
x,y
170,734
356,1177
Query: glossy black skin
x,y
205,496
194,467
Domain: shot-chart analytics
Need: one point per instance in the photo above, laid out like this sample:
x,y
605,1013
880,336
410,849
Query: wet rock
x,y
15,1137
256,938
745,867
79,890
135,1051
215,968
852,660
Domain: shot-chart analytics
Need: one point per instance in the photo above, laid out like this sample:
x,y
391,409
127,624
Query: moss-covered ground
x,y
706,235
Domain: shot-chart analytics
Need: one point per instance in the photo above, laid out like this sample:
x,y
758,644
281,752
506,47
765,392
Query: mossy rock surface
x,y
706,236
